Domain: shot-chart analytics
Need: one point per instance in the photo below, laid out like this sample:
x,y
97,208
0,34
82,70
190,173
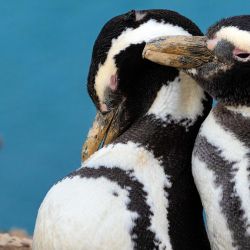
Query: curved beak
x,y
105,129
184,52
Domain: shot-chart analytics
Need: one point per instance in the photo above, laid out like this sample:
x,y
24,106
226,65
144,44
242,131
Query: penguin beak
x,y
184,52
104,130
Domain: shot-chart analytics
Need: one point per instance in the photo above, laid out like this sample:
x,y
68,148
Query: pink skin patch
x,y
238,52
113,82
211,44
103,107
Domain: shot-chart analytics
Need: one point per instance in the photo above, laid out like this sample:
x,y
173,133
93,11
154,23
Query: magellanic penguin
x,y
221,157
137,192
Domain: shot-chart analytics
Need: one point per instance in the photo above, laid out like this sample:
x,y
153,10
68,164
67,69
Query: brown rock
x,y
8,242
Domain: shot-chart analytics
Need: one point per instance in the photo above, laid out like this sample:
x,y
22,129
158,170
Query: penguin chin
x,y
210,71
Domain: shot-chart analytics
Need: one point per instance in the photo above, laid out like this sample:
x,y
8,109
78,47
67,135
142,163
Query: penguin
x,y
137,190
220,62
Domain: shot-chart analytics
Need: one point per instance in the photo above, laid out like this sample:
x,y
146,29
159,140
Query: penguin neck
x,y
179,101
168,130
174,116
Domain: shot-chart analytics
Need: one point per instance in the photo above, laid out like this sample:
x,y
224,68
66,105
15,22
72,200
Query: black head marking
x,y
130,16
223,51
242,22
131,56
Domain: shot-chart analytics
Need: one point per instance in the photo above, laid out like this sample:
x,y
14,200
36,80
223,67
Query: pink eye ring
x,y
241,55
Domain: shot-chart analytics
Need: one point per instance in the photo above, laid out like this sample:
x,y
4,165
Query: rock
x,y
10,242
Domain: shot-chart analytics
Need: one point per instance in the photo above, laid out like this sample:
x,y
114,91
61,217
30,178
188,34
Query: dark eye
x,y
241,55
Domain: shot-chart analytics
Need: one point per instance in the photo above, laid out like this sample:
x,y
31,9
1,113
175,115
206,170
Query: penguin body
x,y
220,62
221,157
137,192
221,172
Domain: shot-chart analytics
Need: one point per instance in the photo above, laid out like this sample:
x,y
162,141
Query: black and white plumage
x,y
138,191
221,171
221,156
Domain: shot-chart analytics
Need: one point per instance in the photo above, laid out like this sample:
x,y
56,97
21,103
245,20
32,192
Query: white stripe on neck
x,y
181,99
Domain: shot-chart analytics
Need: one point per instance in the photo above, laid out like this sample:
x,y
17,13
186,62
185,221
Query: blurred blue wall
x,y
45,111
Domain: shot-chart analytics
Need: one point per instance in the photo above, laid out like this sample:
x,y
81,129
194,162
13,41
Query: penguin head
x,y
220,62
227,76
121,83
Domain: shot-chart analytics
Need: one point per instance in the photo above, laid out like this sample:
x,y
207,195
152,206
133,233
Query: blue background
x,y
45,110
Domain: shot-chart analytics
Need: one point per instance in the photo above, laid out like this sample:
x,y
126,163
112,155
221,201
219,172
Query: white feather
x,y
232,150
218,232
240,38
181,99
147,170
82,213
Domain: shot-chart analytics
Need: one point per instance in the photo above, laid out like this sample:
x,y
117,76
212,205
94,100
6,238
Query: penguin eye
x,y
241,55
